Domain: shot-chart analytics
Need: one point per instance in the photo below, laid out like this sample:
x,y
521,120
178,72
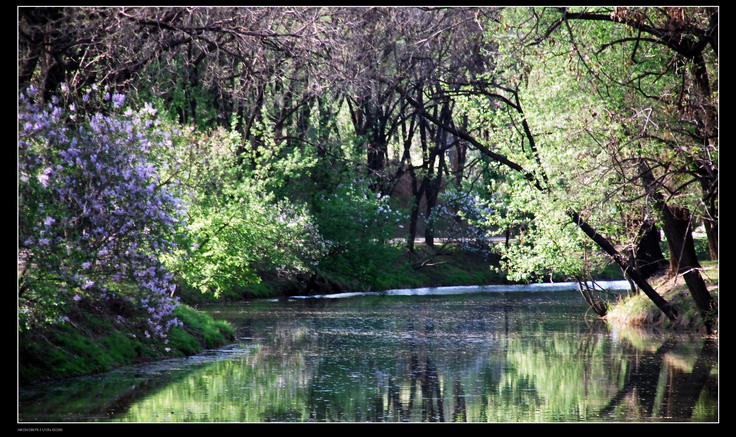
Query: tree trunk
x,y
413,218
710,218
711,232
681,246
648,258
633,273
431,192
417,194
668,309
679,239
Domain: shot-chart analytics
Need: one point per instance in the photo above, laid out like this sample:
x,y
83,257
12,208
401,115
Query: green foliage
x,y
265,145
93,343
546,243
596,103
235,228
201,330
356,224
93,211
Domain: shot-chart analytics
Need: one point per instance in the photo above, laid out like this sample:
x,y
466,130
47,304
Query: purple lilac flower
x,y
98,169
118,100
45,176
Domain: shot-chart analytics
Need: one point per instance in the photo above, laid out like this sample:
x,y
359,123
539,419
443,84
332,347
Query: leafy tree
x,y
503,87
653,68
573,118
236,229
356,224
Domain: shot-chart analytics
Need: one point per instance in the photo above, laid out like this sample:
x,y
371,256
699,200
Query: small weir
x,y
473,289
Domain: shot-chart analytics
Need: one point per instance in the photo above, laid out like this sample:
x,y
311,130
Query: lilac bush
x,y
93,214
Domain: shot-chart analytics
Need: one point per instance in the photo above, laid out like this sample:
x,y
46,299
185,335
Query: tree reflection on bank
x,y
480,359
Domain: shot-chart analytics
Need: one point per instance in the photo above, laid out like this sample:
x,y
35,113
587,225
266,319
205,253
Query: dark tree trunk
x,y
408,168
417,193
676,226
710,218
668,309
377,150
431,192
648,258
680,241
40,51
681,246
369,122
633,274
711,232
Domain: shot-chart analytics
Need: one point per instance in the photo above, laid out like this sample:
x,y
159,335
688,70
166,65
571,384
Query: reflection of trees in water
x,y
685,388
424,402
643,393
681,389
432,369
641,381
422,388
520,370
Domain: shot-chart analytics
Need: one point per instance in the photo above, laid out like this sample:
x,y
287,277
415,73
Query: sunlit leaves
x,y
236,229
356,224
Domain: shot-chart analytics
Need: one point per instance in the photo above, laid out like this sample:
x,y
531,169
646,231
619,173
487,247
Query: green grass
x,y
201,327
426,267
639,310
90,343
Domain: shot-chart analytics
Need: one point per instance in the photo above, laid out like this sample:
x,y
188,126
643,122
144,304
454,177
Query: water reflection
x,y
502,358
673,398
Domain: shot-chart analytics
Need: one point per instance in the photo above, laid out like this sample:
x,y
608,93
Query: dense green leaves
x,y
356,224
235,227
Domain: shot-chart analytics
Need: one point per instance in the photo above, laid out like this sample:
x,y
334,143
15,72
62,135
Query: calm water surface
x,y
496,357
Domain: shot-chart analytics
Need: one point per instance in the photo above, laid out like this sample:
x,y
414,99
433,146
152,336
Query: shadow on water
x,y
109,395
506,357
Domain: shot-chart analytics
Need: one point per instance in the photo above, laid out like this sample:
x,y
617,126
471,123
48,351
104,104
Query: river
x,y
448,355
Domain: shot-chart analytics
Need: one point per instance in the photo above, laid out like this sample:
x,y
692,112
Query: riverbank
x,y
439,266
639,311
97,339
102,336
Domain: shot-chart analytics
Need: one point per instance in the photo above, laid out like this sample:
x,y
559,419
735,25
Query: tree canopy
x,y
213,147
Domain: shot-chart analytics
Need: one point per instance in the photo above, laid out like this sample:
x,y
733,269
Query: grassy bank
x,y
638,310
438,266
96,340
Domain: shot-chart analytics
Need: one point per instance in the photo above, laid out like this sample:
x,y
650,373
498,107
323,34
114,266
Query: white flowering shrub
x,y
460,217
